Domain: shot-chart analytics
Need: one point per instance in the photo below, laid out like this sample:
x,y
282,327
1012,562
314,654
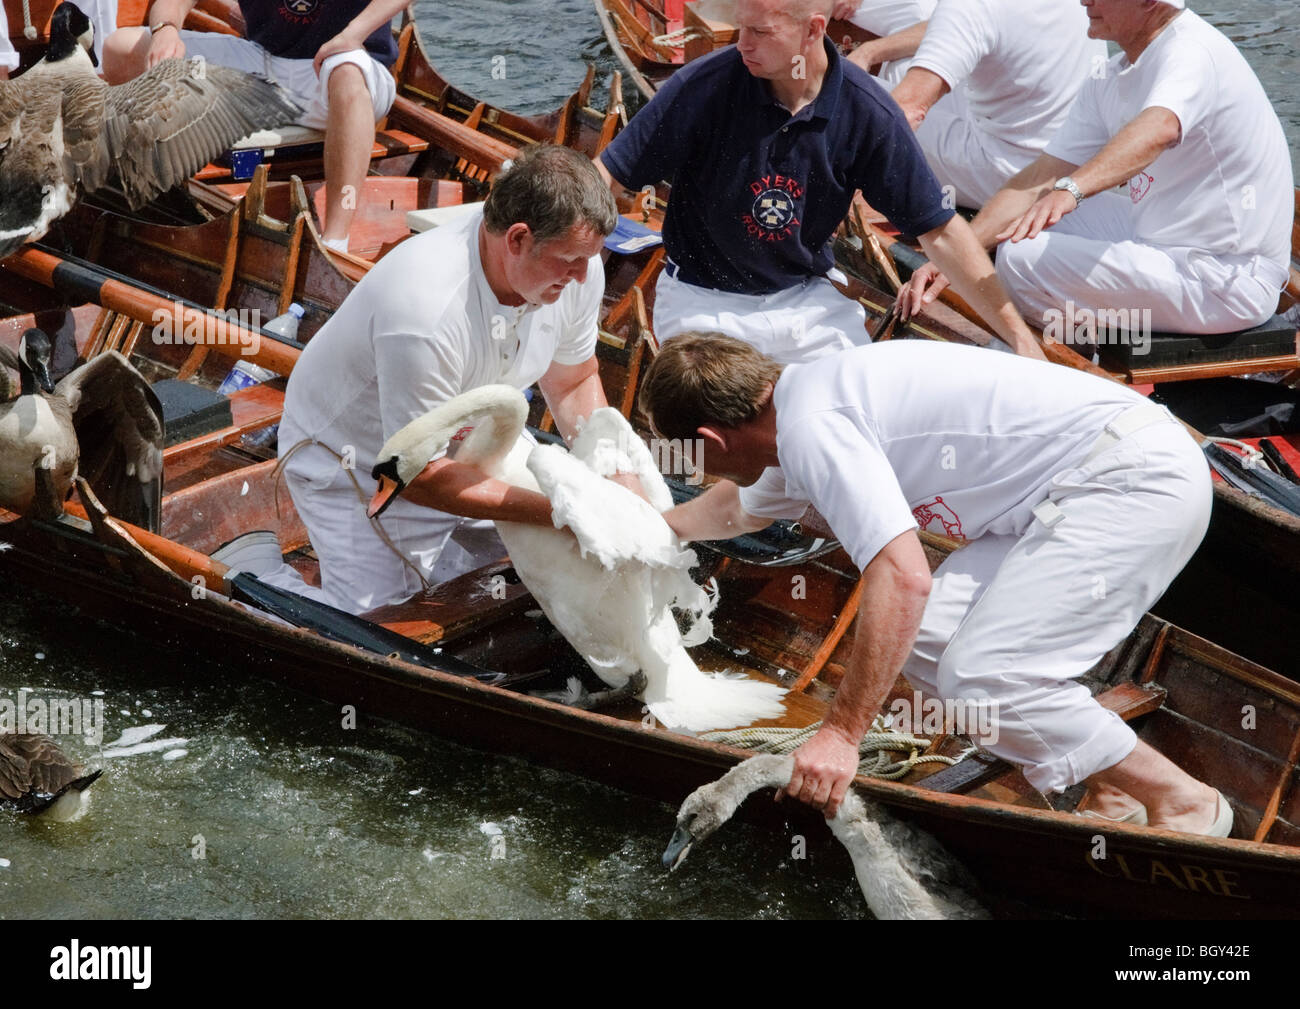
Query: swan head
x,y
70,28
710,806
500,410
36,351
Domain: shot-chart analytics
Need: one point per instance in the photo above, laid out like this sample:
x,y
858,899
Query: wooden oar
x,y
79,281
455,137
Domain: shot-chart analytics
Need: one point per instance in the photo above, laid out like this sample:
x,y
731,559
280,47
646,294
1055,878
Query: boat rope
x,y
1254,458
874,750
278,474
677,39
29,29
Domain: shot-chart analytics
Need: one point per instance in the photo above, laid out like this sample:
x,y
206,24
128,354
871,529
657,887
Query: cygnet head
x,y
36,351
710,806
70,29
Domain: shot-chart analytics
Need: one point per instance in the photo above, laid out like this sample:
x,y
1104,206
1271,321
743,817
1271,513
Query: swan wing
x,y
608,444
611,523
119,427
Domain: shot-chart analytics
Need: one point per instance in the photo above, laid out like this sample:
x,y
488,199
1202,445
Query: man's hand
x,y
343,42
166,44
924,286
1045,212
824,767
844,9
632,482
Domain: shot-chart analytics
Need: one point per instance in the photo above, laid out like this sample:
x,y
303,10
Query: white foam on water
x,y
5,863
490,828
136,734
150,747
175,754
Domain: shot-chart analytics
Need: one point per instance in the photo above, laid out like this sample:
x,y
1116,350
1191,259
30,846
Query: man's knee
x,y
347,83
125,53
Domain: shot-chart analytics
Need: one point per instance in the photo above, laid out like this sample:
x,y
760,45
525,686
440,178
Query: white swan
x,y
611,587
903,871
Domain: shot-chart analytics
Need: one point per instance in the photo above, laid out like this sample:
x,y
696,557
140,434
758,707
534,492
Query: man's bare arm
x,y
895,587
954,251
714,515
917,92
899,46
166,42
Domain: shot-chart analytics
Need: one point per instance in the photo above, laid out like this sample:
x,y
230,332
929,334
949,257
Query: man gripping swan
x,y
507,294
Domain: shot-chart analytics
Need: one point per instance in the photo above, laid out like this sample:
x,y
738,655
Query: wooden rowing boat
x,y
1243,586
1184,694
653,38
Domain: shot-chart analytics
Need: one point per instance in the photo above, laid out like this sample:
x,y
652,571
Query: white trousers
x,y
798,324
297,77
359,570
1091,259
1013,620
973,162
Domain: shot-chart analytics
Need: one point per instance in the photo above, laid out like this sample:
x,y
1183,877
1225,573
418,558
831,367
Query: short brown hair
x,y
705,380
550,189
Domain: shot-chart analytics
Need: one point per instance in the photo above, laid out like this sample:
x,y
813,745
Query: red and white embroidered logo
x,y
1139,186
772,216
936,517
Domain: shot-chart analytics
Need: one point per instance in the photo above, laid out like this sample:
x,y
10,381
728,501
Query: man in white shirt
x,y
8,56
507,294
899,26
1020,62
1080,502
1202,239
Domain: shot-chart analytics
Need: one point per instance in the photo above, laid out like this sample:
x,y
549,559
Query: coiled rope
x,y
874,749
677,39
29,29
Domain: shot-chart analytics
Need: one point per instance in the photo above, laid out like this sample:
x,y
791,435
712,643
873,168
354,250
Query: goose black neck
x,y
61,47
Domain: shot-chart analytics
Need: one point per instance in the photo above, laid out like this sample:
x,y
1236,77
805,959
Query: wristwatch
x,y
1068,184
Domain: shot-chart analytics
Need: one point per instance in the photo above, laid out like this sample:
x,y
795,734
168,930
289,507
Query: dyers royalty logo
x,y
300,8
772,217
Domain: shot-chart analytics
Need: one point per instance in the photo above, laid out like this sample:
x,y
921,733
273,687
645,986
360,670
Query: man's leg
x,y
1091,262
353,92
960,155
1062,598
792,326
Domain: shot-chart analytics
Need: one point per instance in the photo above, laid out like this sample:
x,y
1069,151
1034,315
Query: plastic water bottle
x,y
286,325
243,375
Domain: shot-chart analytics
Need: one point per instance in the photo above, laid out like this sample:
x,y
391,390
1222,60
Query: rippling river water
x,y
297,819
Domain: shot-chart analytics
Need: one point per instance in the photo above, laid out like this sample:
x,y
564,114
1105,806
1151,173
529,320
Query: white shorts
x,y
359,570
1015,619
297,77
1091,259
799,324
975,163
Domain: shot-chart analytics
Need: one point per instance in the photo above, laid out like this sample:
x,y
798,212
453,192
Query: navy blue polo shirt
x,y
758,193
295,29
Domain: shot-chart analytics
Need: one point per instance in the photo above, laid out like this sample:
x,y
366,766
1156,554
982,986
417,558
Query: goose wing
x,y
119,426
159,129
33,763
33,187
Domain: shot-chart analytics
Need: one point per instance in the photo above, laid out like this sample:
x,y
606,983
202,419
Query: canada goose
x,y
37,777
610,586
101,419
904,873
64,132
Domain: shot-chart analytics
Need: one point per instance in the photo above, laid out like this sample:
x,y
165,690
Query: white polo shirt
x,y
1022,61
1226,187
420,328
886,438
885,17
